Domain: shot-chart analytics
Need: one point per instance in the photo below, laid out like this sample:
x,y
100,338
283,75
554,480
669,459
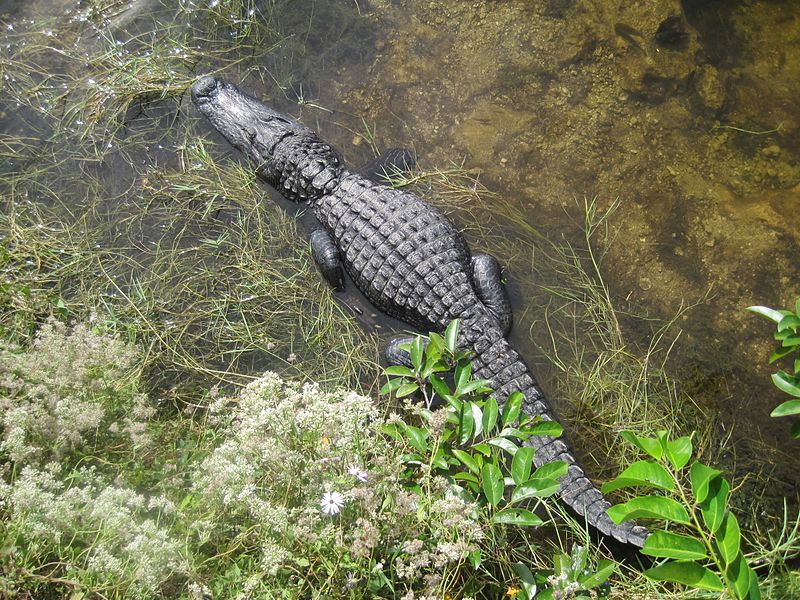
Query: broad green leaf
x,y
713,508
561,563
790,407
399,370
786,383
392,431
755,591
474,385
451,336
477,418
528,583
642,473
605,568
465,476
439,386
742,577
535,488
440,461
780,353
555,469
467,460
728,538
791,341
391,385
679,451
701,475
475,558
505,444
772,314
417,437
462,375
483,448
651,446
511,408
517,516
650,507
436,343
524,573
521,465
406,389
417,350
665,544
513,432
466,425
492,482
688,573
490,413
789,322
549,428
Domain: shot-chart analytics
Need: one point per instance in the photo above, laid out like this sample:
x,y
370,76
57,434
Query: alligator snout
x,y
203,88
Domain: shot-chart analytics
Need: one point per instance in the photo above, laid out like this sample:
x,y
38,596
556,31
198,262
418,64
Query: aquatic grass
x,y
175,252
92,79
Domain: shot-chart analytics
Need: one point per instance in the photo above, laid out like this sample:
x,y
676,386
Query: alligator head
x,y
248,124
284,152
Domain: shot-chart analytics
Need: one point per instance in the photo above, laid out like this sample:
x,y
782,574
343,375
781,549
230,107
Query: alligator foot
x,y
487,276
326,256
391,161
395,355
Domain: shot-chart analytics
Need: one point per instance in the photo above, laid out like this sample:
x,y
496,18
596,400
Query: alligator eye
x,y
282,120
251,133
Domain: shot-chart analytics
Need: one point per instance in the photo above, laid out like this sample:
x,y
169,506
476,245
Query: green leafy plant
x,y
709,556
572,577
481,447
787,334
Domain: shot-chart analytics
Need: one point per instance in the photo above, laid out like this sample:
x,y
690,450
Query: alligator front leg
x,y
326,256
487,277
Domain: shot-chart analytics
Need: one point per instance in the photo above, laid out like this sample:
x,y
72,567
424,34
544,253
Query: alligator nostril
x,y
203,87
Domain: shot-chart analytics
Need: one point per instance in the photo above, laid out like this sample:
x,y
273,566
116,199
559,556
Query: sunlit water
x,y
687,115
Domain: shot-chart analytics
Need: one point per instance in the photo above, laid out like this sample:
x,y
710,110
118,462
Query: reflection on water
x,y
684,112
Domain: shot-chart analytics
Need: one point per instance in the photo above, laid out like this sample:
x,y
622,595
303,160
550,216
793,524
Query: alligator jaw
x,y
249,125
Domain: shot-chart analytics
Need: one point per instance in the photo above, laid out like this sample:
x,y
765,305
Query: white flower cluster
x,y
58,393
124,540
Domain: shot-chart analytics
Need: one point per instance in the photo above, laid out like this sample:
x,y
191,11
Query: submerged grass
x,y
114,212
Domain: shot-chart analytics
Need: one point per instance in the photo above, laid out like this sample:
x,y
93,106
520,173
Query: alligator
x,y
406,257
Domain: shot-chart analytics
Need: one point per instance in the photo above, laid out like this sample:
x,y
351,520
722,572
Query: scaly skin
x,y
404,255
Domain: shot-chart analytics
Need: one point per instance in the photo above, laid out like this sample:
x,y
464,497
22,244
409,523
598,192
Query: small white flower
x,y
331,503
356,472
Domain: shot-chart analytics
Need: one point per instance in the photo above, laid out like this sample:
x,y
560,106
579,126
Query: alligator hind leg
x,y
487,277
326,256
395,355
390,162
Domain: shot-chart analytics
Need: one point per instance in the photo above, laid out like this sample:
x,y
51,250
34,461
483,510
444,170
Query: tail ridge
x,y
497,361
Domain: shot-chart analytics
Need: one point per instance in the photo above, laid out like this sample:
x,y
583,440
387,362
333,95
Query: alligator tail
x,y
498,362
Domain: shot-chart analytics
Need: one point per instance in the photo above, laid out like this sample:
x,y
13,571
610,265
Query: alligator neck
x,y
302,167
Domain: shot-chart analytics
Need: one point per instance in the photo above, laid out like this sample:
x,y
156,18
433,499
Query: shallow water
x,y
691,124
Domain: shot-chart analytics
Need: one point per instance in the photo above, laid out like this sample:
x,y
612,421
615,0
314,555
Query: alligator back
x,y
403,253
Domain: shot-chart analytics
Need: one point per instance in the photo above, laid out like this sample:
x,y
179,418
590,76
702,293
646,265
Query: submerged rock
x,y
708,90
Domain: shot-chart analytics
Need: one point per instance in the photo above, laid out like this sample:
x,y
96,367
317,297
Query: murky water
x,y
685,113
